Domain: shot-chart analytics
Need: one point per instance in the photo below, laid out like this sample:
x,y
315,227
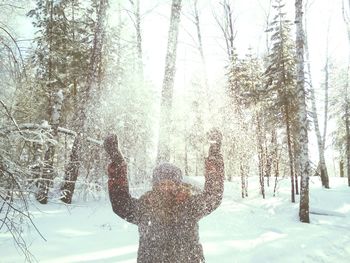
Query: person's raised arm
x,y
123,204
206,202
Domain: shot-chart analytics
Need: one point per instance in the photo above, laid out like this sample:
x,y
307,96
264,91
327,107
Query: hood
x,y
166,205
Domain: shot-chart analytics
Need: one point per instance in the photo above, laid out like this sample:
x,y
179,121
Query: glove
x,y
117,170
110,145
215,139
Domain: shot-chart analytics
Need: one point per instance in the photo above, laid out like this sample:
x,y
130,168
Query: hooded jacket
x,y
167,221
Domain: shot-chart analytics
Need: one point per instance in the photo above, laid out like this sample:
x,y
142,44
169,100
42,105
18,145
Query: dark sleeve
x,y
123,204
203,204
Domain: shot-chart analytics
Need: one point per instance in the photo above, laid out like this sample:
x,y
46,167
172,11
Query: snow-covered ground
x,y
240,230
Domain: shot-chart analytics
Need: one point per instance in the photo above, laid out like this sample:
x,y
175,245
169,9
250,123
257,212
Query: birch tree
x,y
302,116
197,22
136,20
168,85
347,110
320,138
226,22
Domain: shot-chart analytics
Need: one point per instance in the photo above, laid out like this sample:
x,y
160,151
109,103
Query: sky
x,y
250,24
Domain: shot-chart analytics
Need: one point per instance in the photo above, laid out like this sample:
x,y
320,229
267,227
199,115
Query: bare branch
x,y
19,50
10,116
12,6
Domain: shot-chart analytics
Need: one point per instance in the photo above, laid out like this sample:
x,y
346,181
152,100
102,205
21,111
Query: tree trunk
x,y
46,176
72,170
242,180
347,121
302,116
168,84
275,158
320,140
138,35
227,29
48,169
186,154
201,52
137,23
296,146
268,164
119,46
231,32
341,168
347,128
245,173
260,155
290,154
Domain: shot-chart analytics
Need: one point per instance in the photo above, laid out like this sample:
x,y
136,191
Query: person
x,y
167,216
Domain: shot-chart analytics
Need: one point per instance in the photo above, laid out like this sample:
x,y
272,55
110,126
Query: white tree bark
x,y
226,24
168,85
320,140
137,23
347,113
201,52
302,116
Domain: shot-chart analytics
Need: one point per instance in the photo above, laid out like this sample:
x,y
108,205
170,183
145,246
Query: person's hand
x,y
110,145
215,139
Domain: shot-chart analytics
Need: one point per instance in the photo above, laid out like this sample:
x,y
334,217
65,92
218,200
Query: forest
x,y
271,75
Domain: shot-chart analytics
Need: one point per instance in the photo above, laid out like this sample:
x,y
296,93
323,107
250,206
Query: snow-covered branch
x,y
45,127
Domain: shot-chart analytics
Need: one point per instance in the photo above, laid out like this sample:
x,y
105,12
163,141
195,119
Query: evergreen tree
x,y
280,80
91,84
65,34
339,106
244,82
50,74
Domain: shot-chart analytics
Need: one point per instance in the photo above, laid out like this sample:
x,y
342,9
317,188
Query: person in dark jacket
x,y
167,216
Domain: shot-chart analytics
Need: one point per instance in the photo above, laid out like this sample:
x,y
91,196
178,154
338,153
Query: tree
x,y
302,116
72,170
60,63
15,183
168,84
320,138
244,81
226,23
347,110
52,27
196,137
339,101
136,19
280,81
197,23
